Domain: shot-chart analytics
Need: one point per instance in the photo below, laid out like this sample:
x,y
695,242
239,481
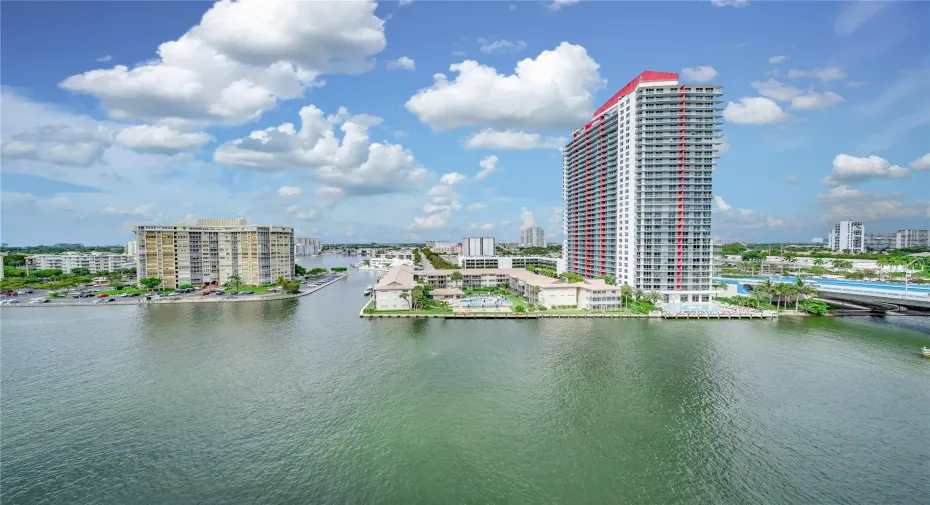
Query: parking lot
x,y
91,295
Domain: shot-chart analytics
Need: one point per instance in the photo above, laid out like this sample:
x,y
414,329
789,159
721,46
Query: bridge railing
x,y
885,293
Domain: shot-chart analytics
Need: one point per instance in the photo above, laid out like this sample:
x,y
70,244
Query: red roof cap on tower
x,y
647,76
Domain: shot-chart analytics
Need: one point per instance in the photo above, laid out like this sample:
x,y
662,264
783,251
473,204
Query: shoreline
x,y
202,299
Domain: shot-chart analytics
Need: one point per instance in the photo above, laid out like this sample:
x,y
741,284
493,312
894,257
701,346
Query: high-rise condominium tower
x,y
214,250
533,236
847,236
637,187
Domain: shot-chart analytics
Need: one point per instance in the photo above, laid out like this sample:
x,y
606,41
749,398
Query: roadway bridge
x,y
873,293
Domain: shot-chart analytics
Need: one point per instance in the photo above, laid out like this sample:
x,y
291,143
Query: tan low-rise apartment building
x,y
593,294
214,250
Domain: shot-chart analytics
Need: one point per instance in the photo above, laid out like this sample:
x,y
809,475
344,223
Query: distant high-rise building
x,y
307,246
847,236
533,236
131,249
636,180
440,247
214,250
879,241
478,246
912,238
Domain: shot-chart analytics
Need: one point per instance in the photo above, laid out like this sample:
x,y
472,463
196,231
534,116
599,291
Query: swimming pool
x,y
681,307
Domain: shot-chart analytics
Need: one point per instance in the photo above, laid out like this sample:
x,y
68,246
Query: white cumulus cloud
x,y
527,219
511,140
699,74
816,101
240,60
488,165
159,139
922,163
288,191
730,3
501,46
402,63
754,110
851,169
352,163
778,59
62,145
554,90
776,90
824,74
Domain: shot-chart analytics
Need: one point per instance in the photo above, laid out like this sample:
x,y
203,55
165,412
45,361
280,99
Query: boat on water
x,y
925,352
368,290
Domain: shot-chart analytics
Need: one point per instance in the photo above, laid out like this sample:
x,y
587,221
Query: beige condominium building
x,y
214,250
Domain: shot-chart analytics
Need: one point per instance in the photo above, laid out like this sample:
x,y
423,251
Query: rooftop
x,y
533,279
398,277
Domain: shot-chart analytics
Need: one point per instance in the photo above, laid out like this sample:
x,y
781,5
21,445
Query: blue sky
x,y
438,120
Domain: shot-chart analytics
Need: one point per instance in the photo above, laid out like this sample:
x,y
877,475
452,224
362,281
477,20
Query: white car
x,y
36,301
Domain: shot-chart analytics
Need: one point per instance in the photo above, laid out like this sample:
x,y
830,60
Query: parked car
x,y
11,302
37,301
108,300
102,295
9,293
125,295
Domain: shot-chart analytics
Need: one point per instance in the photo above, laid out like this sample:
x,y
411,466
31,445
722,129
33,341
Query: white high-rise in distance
x,y
847,235
637,187
533,236
478,246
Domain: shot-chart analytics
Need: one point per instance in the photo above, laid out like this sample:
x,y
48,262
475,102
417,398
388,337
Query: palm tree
x,y
456,277
535,290
869,274
783,291
802,289
625,293
406,297
818,262
837,263
653,296
637,294
234,281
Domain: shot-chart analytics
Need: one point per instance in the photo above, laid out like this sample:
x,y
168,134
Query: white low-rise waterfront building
x,y
592,294
470,262
387,292
94,261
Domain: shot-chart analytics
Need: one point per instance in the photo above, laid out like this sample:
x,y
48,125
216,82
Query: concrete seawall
x,y
513,315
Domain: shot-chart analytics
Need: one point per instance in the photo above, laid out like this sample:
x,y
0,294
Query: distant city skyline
x,y
147,112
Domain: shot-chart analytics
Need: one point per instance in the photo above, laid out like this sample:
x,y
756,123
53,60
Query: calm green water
x,y
302,402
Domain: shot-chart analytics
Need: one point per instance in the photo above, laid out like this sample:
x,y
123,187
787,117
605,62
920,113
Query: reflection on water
x,y
300,401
